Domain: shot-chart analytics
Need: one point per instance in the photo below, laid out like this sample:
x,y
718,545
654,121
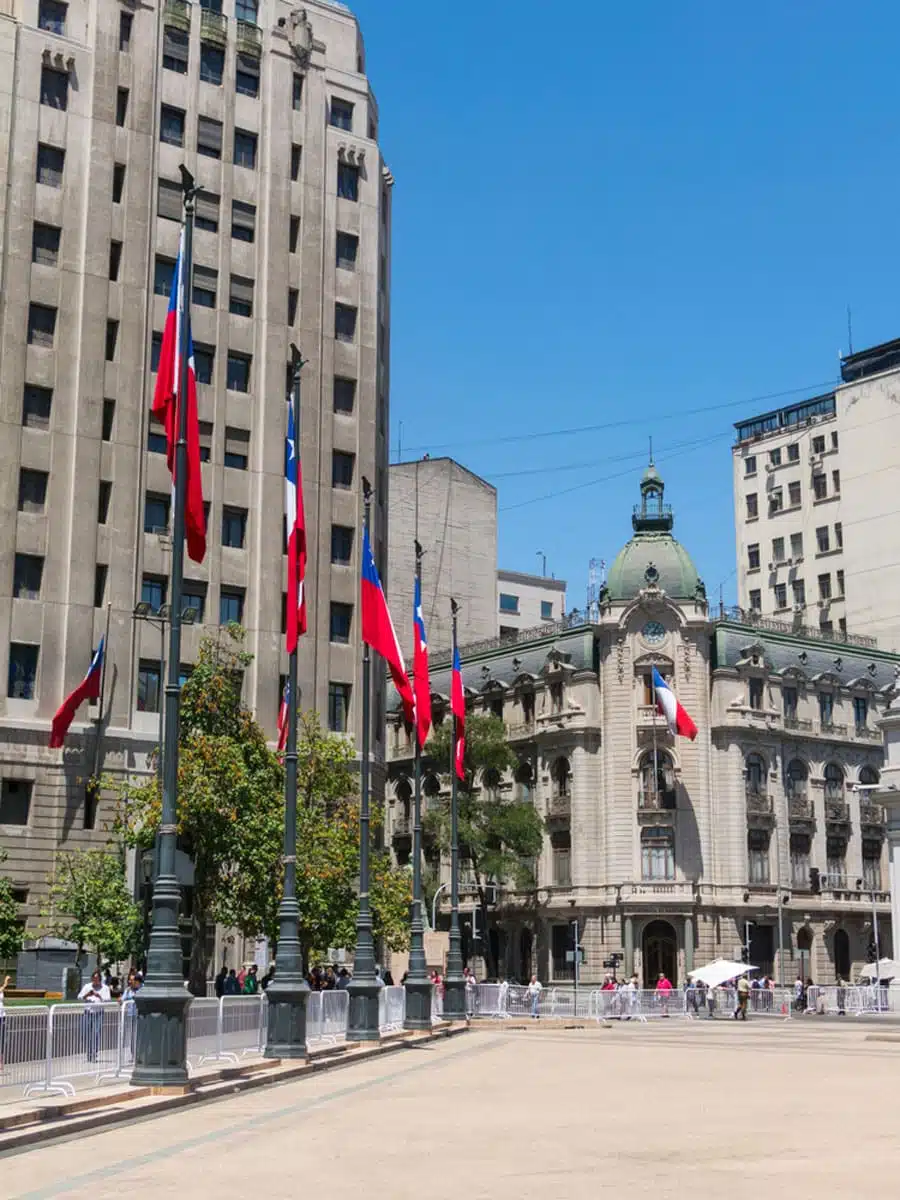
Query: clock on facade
x,y
653,632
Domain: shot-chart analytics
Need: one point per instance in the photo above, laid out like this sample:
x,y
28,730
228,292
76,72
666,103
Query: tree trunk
x,y
199,968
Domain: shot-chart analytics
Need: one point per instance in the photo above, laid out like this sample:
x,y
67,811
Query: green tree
x,y
498,835
89,903
11,927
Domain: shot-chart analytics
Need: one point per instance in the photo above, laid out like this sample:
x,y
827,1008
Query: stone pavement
x,y
800,1110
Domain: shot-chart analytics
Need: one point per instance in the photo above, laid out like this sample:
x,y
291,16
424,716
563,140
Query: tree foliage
x,y
89,904
11,928
498,835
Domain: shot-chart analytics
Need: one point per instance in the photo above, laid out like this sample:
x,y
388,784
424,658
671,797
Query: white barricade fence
x,y
314,1017
490,1000
335,1011
82,1042
23,1046
243,1025
437,1006
203,1031
391,1008
847,1000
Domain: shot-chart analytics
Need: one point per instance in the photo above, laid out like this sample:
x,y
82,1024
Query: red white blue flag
x,y
676,717
378,628
458,708
421,682
165,407
88,689
296,537
283,717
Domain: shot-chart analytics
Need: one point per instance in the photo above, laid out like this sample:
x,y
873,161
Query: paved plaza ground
x,y
671,1110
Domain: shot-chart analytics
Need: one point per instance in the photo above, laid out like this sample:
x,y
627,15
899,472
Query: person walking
x,y
220,982
664,992
232,987
251,982
94,994
743,998
471,985
535,988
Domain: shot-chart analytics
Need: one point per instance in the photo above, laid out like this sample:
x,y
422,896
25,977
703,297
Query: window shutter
x,y
242,289
206,206
243,215
169,204
209,135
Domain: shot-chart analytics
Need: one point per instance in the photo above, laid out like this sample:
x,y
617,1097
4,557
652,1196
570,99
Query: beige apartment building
x,y
270,108
671,851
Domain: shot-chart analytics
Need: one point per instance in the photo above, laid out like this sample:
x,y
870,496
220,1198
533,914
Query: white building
x,y
526,601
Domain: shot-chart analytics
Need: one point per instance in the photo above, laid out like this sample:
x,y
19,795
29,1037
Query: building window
x,y
822,543
156,513
839,577
243,221
826,709
244,149
101,570
800,845
54,88
121,106
206,281
344,322
750,465
758,855
238,379
175,50
240,296
27,574
836,482
561,850
231,606
756,600
297,96
341,544
818,444
104,492
820,487
796,545
753,557
157,443
41,325
344,394
789,703
204,363
237,445
118,185
206,215
341,617
834,782
348,181
246,10
342,469
296,160
50,163
294,234
860,712
794,494
756,693
234,527
755,775
15,801
153,591
338,707
778,550
148,687
752,506
23,661
209,137
509,603
775,456
341,114
246,79
780,591
32,490
193,597
836,861
293,298
776,500
657,853
126,21
871,861
112,338
171,125
546,610
36,405
347,246
560,776
212,64
839,535
52,16
824,587
115,259
793,452
799,590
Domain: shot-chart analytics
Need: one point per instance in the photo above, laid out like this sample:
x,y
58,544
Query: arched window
x,y
755,774
834,782
524,783
659,791
561,774
404,795
795,779
842,954
868,776
491,783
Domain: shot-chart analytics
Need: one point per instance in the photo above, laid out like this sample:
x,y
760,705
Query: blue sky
x,y
617,216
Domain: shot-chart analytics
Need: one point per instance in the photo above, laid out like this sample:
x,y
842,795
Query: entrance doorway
x,y
659,953
804,953
525,944
842,954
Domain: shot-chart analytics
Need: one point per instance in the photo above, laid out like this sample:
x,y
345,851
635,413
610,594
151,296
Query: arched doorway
x,y
842,954
526,941
804,953
659,953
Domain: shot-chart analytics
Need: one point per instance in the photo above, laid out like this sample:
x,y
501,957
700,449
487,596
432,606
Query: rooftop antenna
x,y
651,449
399,441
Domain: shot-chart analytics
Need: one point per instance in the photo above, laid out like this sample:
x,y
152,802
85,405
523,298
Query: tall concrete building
x,y
270,108
525,601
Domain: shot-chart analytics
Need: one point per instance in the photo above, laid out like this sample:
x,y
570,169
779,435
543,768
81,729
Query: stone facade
x,y
668,850
271,109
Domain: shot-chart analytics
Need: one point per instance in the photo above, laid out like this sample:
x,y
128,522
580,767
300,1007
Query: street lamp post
x,y
362,1021
454,983
288,993
160,1058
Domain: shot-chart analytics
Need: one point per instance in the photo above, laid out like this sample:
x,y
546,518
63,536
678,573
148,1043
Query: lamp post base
x,y
286,1001
362,1021
160,1055
455,999
418,1003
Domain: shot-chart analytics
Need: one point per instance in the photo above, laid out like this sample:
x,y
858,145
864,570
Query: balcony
x,y
759,807
177,15
649,718
652,804
800,808
797,725
248,39
213,27
521,732
829,729
837,812
560,807
871,814
402,827
865,734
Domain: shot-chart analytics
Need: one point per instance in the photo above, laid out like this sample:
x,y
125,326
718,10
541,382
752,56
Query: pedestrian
x,y
388,978
841,996
691,996
471,985
535,988
629,996
798,995
702,990
664,991
232,987
743,997
343,979
268,977
94,994
220,981
379,982
251,982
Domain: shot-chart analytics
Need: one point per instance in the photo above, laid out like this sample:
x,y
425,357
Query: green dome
x,y
653,557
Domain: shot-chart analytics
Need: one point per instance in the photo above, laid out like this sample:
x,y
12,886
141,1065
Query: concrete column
x,y
629,947
688,945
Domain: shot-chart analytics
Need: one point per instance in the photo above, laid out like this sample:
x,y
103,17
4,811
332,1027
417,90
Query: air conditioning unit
x,y
773,566
788,562
824,603
770,466
798,559
799,610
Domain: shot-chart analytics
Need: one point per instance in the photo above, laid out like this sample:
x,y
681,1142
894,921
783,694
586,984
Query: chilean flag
x,y
283,717
421,681
676,718
165,406
296,537
88,689
378,628
458,708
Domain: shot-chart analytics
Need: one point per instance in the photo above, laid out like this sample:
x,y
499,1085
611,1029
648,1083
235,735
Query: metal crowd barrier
x,y
849,1001
391,1008
23,1046
437,1006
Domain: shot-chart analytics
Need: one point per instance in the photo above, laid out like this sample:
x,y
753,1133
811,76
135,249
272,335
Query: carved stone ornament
x,y
620,658
301,36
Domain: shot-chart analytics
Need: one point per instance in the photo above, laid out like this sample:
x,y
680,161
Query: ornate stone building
x,y
670,851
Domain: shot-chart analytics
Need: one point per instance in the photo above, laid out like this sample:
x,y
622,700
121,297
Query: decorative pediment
x,y
557,663
754,656
525,681
493,686
826,679
793,674
862,683
662,662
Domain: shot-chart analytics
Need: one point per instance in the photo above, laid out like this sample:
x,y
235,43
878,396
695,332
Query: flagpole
x,y
160,1058
655,762
92,789
418,985
362,1023
288,993
454,984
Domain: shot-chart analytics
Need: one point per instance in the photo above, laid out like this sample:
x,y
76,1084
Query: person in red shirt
x,y
664,987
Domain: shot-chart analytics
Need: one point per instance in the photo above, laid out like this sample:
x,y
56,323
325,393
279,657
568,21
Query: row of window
x,y
825,543
791,452
789,696
758,860
795,494
509,603
796,774
797,595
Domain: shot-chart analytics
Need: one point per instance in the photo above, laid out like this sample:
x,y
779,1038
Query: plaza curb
x,y
23,1131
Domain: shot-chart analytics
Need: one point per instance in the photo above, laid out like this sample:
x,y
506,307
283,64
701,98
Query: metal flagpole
x,y
362,1022
418,985
655,761
454,983
160,1058
288,993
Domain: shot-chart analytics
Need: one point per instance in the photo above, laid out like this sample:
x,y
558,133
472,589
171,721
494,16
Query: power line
x,y
640,455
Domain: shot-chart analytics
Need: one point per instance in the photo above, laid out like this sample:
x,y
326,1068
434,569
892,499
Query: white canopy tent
x,y
886,968
719,971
